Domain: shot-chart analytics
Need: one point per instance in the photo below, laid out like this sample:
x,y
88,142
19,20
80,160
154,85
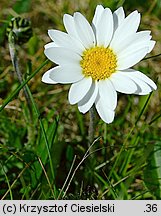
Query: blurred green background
x,y
126,159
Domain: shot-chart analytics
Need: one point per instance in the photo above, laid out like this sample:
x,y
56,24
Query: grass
x,y
44,152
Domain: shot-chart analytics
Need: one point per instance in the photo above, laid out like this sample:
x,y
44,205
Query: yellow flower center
x,y
98,62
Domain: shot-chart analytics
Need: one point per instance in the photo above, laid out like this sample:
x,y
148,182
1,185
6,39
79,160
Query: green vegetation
x,y
44,152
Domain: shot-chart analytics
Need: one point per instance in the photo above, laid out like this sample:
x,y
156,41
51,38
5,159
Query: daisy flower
x,y
97,59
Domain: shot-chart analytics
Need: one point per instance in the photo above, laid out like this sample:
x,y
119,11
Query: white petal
x,y
130,58
97,15
49,45
104,28
127,27
66,74
46,78
107,93
57,36
79,89
151,45
137,39
118,17
140,40
62,56
106,114
63,39
123,84
142,87
84,30
70,25
87,102
137,74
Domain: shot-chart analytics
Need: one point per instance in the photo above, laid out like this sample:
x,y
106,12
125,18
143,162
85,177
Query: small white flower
x,y
96,59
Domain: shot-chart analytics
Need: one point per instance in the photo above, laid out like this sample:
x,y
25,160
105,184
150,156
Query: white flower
x,y
96,59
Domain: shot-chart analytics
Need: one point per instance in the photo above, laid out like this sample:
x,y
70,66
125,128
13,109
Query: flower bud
x,y
21,27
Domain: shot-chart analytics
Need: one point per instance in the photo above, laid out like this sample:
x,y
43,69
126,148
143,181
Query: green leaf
x,y
152,172
22,6
33,45
42,151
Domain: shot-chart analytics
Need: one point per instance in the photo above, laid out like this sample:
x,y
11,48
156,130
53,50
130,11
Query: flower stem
x,y
15,62
91,128
14,59
152,57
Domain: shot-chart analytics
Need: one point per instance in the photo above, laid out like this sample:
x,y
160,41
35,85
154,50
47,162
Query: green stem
x,y
129,134
35,109
91,128
13,54
152,57
45,138
12,95
155,118
7,180
143,109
